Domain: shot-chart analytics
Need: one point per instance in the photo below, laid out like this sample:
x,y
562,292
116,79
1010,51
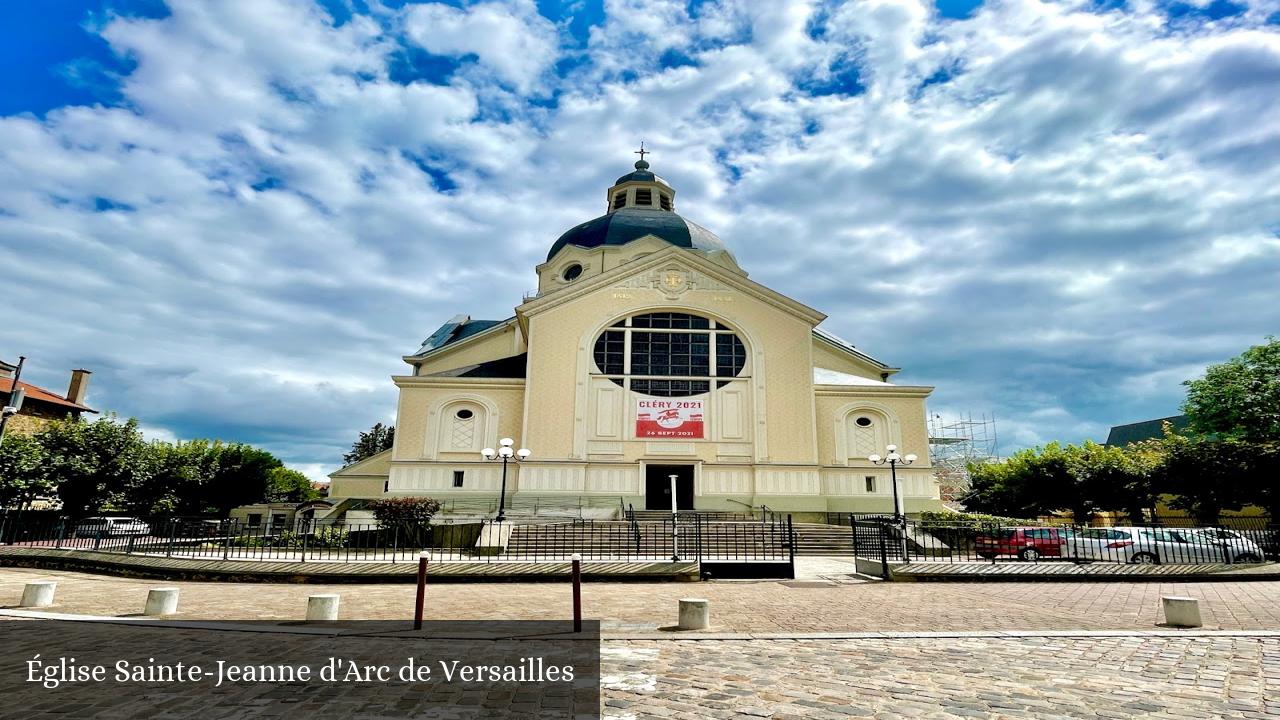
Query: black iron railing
x,y
688,536
1252,540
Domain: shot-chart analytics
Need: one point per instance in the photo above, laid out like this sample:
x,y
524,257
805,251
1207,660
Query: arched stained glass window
x,y
669,354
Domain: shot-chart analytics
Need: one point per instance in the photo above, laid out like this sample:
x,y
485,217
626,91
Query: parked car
x,y
1153,545
1025,543
108,526
1237,546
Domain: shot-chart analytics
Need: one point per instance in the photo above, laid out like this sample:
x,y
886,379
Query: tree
x,y
1204,475
23,471
411,517
1264,478
380,437
1238,399
404,510
93,463
1083,480
1112,478
176,484
1032,482
285,485
242,477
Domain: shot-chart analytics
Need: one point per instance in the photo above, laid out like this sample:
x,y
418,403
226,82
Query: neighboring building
x,y
42,406
274,517
647,352
1122,435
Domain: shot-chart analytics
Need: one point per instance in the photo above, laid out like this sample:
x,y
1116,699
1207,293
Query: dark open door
x,y
657,482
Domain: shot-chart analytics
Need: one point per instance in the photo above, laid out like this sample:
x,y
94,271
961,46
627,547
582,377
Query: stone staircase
x,y
820,539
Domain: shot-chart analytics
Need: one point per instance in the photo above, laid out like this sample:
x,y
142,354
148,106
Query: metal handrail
x,y
635,527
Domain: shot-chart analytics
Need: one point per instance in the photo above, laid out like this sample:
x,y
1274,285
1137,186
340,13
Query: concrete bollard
x,y
38,593
161,601
322,608
1181,612
695,614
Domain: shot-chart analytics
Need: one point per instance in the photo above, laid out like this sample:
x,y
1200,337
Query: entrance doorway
x,y
657,487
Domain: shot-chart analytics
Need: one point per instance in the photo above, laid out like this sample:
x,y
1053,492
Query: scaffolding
x,y
954,443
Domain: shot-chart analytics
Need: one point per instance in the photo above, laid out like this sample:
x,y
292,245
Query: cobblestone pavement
x,y
1132,676
1126,677
761,607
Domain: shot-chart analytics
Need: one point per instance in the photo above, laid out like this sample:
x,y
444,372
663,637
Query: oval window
x,y
464,414
571,273
863,422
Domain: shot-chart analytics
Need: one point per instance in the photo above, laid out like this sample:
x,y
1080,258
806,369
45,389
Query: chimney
x,y
79,386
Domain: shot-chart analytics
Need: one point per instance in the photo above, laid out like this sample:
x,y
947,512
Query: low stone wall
x,y
159,567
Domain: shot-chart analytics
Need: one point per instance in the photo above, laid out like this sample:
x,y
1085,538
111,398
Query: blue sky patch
x,y
411,64
844,79
440,179
102,204
957,9
940,76
268,183
1216,10
673,58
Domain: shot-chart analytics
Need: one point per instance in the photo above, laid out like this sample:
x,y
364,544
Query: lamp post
x,y
14,402
505,453
893,459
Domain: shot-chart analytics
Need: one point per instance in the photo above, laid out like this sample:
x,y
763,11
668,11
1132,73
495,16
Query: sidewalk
x,y
799,606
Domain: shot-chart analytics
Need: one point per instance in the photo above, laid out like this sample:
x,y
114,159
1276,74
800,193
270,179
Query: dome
x,y
641,174
632,223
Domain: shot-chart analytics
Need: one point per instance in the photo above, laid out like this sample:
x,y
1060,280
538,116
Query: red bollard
x,y
577,592
422,589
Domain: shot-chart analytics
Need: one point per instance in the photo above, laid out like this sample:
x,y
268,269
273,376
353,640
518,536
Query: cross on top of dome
x,y
641,164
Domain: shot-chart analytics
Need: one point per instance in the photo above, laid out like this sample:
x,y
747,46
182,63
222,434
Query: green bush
x,y
960,530
328,537
947,518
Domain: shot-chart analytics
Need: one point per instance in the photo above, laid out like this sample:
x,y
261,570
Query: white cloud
x,y
1075,208
509,38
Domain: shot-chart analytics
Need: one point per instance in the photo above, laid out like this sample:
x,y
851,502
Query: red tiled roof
x,y
39,393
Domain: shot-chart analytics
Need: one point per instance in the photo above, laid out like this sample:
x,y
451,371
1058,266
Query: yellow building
x,y
648,352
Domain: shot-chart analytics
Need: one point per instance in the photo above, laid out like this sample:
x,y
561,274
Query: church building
x,y
648,352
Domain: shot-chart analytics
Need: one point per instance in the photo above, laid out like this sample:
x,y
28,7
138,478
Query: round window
x,y
863,422
464,414
571,273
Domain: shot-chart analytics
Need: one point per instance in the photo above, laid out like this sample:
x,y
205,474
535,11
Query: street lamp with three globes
x,y
893,459
506,453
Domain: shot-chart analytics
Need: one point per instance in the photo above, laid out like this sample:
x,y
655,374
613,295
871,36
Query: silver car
x,y
1241,549
1147,545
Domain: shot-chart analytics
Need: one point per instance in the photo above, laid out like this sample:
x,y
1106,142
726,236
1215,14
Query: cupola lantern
x,y
641,189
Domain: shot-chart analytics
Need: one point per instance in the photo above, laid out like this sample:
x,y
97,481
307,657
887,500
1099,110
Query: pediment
x,y
675,272
673,280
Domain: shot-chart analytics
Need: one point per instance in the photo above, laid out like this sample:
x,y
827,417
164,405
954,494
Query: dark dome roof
x,y
622,226
640,176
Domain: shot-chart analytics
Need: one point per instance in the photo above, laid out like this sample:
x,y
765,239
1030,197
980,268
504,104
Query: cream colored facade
x,y
790,429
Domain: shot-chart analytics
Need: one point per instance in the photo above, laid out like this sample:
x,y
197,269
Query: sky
x,y
240,215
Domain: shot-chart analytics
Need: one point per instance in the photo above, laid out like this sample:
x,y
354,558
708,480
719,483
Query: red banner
x,y
669,418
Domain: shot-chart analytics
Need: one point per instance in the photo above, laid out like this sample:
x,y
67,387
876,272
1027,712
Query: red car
x,y
1025,543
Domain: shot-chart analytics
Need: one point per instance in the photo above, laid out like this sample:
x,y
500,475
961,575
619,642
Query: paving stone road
x,y
1128,677
1139,674
764,607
